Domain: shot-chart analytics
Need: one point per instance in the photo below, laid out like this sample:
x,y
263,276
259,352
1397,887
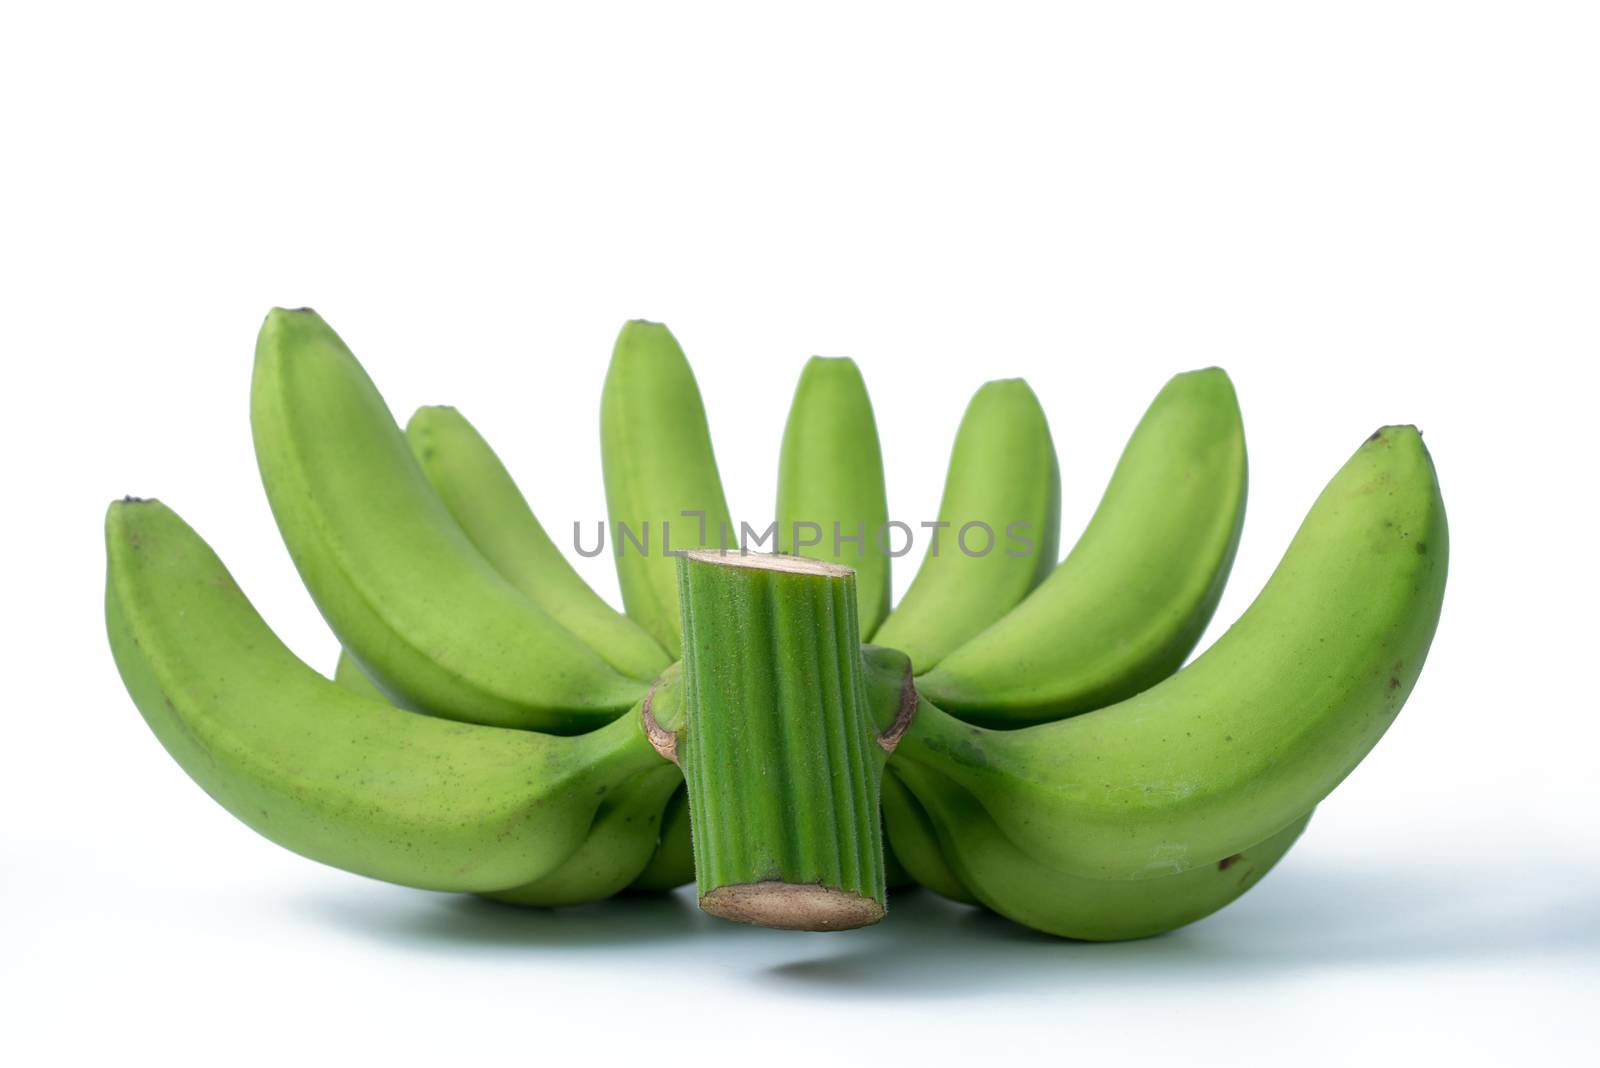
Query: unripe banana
x,y
915,842
639,839
411,598
620,846
474,484
662,485
673,862
340,778
480,493
1001,517
1254,733
1130,601
1012,883
830,482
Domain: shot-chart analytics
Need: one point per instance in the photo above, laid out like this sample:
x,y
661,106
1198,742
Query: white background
x,y
1367,213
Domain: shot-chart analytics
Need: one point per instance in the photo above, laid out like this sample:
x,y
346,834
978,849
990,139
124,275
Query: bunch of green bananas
x,y
1059,769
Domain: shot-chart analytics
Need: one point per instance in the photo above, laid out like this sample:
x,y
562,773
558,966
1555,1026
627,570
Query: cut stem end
x,y
792,906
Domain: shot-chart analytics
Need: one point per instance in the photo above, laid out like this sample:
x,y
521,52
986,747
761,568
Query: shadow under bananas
x,y
453,922
1309,920
1305,917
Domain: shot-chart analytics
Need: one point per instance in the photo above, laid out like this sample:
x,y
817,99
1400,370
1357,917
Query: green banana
x,y
1130,601
480,493
1253,734
1007,880
673,862
912,836
1003,480
619,848
348,673
640,833
830,476
662,485
1053,769
411,598
341,778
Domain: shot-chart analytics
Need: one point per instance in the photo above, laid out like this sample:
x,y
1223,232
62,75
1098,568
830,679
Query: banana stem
x,y
778,746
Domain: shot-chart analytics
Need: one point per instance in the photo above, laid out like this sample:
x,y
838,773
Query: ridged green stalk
x,y
779,749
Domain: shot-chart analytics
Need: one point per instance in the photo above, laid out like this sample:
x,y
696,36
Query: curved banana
x,y
1259,728
673,862
619,848
912,836
480,493
662,487
1009,881
406,592
830,482
1001,517
639,839
340,778
1130,601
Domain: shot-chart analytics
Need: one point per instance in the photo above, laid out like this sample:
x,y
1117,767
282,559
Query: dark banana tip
x,y
643,331
645,341
126,507
1389,435
129,518
291,324
427,415
278,318
643,328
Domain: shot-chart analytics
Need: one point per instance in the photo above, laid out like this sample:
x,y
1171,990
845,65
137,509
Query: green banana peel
x,y
341,778
663,490
1133,597
830,483
1001,525
1057,768
480,494
1254,733
408,595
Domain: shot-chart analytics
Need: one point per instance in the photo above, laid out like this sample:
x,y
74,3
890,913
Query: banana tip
x,y
278,314
1395,430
